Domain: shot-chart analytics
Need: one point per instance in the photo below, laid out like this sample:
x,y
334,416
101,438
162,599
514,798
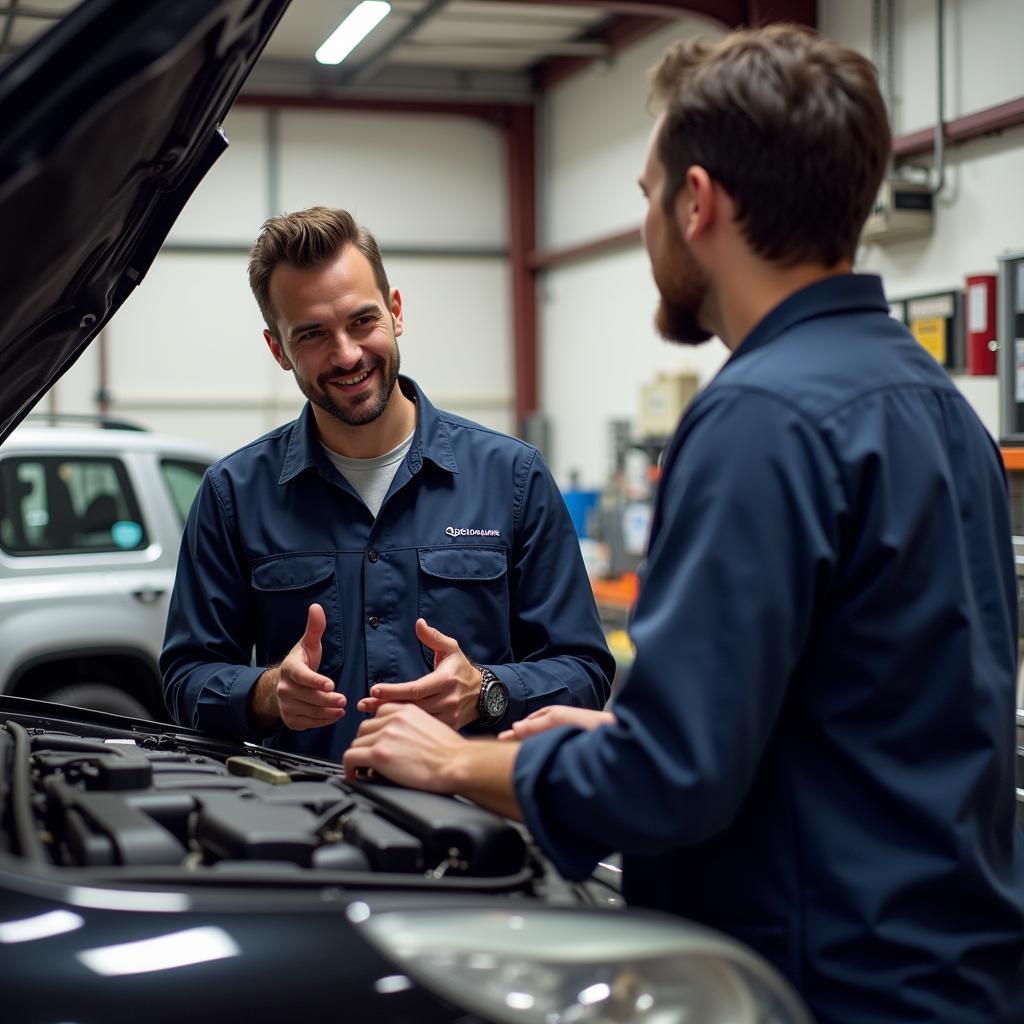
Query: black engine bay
x,y
147,803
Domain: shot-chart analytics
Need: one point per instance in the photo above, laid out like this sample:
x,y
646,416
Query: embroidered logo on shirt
x,y
461,531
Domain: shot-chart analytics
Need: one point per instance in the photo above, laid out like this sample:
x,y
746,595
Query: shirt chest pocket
x,y
284,588
464,594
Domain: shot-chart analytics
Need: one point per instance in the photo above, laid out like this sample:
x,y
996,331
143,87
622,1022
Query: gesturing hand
x,y
304,698
554,716
449,693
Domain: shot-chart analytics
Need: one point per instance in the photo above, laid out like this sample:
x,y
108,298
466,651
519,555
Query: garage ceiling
x,y
431,48
461,50
458,33
455,49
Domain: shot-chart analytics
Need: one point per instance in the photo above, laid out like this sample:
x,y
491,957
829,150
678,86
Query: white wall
x,y
983,65
186,353
980,212
595,132
235,197
598,344
425,179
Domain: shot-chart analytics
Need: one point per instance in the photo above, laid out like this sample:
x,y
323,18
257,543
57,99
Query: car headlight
x,y
550,966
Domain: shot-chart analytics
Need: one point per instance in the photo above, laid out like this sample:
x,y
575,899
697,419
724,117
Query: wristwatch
x,y
493,701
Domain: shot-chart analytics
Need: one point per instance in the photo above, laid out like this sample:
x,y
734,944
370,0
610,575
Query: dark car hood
x,y
109,121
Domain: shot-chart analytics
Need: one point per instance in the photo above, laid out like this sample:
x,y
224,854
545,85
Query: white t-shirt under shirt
x,y
371,478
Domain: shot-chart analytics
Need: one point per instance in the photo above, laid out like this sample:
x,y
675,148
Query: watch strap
x,y
488,681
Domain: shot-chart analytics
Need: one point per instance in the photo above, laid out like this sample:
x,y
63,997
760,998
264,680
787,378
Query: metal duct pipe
x,y
940,127
882,48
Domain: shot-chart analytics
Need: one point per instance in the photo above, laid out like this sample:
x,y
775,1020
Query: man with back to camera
x,y
814,749
375,549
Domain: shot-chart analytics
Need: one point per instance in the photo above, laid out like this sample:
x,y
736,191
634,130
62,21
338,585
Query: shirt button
x,y
374,621
373,556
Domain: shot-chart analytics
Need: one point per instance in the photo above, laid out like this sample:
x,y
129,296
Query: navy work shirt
x,y
814,749
473,536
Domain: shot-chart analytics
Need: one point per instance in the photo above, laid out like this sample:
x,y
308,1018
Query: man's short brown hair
x,y
307,239
791,125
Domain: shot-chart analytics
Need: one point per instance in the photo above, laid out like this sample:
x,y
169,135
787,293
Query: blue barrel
x,y
579,504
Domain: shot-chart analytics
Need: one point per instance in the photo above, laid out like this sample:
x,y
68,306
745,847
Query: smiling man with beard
x,y
813,750
376,549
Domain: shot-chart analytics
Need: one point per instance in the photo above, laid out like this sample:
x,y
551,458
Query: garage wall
x,y
980,212
598,344
595,131
595,316
186,353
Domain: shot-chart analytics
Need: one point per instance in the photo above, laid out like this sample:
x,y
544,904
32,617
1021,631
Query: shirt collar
x,y
843,293
430,438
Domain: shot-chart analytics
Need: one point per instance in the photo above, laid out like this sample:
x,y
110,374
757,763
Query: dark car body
x,y
147,871
134,850
142,865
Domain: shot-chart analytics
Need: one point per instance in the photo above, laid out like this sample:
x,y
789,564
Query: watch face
x,y
496,701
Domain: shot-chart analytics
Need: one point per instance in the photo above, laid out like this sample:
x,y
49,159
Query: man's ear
x,y
277,350
396,311
695,206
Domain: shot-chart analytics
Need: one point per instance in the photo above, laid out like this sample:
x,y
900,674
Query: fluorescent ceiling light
x,y
352,31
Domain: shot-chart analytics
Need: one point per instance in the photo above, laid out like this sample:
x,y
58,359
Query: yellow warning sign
x,y
931,334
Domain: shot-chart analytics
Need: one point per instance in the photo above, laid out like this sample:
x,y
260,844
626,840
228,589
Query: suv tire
x,y
99,697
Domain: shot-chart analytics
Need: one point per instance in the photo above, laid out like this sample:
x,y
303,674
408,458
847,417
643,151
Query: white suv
x,y
91,517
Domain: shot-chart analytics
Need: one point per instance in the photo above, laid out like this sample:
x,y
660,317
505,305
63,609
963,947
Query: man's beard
x,y
367,408
683,294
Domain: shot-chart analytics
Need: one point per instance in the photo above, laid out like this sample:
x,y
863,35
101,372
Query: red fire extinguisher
x,y
980,311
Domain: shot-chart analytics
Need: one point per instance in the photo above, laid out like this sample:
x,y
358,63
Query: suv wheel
x,y
100,698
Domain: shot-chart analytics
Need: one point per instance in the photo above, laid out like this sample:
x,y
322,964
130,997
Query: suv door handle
x,y
147,595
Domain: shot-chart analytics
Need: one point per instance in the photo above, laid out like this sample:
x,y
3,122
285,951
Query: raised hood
x,y
109,122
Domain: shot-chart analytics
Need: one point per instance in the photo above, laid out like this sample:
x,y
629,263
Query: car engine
x,y
144,802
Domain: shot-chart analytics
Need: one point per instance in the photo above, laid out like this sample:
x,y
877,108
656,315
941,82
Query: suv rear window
x,y
58,505
183,477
